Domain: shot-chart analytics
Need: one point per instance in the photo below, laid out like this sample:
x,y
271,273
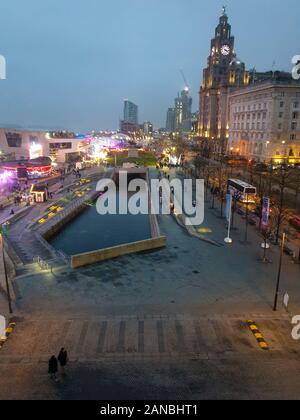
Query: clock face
x,y
225,50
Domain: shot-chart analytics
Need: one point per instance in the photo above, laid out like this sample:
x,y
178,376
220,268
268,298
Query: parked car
x,y
260,167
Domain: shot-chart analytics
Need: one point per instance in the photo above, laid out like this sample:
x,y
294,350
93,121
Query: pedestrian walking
x,y
53,368
63,359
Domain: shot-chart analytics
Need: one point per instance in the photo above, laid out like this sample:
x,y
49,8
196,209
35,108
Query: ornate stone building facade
x,y
264,121
224,72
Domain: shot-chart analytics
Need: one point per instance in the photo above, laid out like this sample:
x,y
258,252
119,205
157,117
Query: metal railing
x,y
44,265
66,258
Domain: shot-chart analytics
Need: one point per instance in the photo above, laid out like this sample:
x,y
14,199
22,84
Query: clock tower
x,y
224,71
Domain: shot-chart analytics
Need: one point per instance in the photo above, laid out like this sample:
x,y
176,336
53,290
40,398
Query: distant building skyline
x,y
59,76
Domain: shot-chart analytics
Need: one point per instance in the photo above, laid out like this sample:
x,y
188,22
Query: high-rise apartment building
x,y
130,112
183,112
129,125
171,120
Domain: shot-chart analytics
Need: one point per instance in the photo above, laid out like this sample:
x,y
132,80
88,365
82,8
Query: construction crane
x,y
186,88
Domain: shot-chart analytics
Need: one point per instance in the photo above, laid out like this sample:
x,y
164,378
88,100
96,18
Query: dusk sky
x,y
70,63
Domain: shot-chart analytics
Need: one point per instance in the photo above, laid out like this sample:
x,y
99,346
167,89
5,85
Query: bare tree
x,y
279,210
222,186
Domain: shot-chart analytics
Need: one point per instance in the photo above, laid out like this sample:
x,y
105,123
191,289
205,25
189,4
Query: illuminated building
x,y
67,150
129,128
265,120
148,128
183,112
27,169
171,120
224,72
39,192
22,144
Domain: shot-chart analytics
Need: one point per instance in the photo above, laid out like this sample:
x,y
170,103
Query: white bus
x,y
246,193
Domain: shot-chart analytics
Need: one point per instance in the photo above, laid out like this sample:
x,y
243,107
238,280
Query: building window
x,y
294,126
280,126
55,146
280,115
14,139
295,115
296,105
281,104
293,137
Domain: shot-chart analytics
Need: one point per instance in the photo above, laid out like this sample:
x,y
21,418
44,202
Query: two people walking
x,y
62,360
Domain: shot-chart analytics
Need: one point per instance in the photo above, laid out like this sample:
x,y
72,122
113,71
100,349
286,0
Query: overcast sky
x,y
70,63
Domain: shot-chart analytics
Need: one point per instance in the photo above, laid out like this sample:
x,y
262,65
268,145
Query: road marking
x,y
258,335
160,337
9,330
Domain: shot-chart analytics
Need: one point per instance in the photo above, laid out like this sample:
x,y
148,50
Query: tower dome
x,y
235,62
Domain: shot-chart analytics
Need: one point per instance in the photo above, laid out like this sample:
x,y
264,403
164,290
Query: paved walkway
x,y
169,324
151,357
149,336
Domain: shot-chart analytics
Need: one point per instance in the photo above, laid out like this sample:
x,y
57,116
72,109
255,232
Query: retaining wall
x,y
93,257
51,229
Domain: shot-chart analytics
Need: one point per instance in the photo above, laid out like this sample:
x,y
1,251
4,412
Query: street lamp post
x,y
247,222
228,239
279,273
